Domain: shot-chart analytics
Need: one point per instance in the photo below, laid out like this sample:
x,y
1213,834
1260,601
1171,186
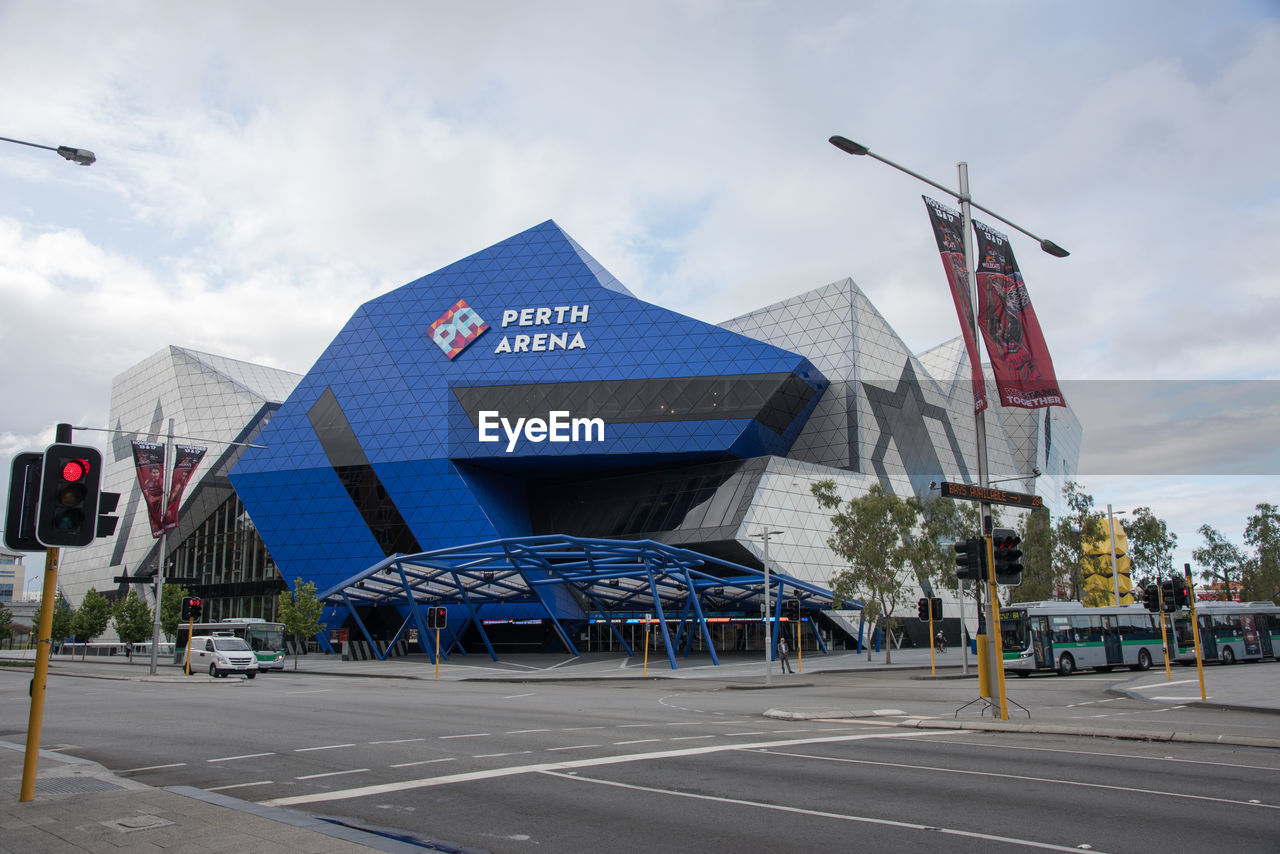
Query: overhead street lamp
x,y
82,156
850,147
995,672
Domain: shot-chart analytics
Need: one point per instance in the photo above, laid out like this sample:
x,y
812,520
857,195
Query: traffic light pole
x,y
1195,627
44,647
44,644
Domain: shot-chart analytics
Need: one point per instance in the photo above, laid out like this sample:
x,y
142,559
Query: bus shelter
x,y
555,575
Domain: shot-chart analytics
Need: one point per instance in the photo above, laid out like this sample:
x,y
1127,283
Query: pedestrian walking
x,y
783,649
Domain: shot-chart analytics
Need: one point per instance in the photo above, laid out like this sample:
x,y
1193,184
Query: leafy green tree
x,y
1038,576
942,522
1151,546
91,618
300,611
873,533
1076,527
133,619
1261,579
1222,559
62,626
171,609
6,624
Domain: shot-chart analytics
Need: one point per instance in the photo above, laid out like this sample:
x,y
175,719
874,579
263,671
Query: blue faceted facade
x,y
520,391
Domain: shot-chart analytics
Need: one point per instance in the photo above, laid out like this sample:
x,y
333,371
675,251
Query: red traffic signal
x,y
70,480
192,608
437,617
922,610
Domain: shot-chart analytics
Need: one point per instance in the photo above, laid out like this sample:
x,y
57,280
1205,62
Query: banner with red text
x,y
948,230
185,460
148,460
1019,357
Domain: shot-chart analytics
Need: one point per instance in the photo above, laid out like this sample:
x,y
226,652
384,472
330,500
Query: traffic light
x,y
1181,593
922,610
971,559
192,608
437,617
792,608
1007,556
24,496
70,480
1166,591
107,504
1151,597
935,608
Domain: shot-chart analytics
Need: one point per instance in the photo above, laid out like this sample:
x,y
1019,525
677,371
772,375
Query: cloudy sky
x,y
264,168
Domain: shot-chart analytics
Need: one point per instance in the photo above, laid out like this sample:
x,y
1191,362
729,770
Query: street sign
x,y
972,492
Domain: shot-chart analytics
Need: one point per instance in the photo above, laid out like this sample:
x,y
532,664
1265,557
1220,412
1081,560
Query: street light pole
x,y
995,672
768,631
82,156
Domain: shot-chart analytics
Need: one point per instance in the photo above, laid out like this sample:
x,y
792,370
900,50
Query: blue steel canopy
x,y
596,574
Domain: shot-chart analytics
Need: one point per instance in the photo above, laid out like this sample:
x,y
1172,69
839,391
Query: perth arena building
x,y
519,439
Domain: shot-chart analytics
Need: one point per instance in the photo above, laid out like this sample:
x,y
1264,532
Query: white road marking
x,y
905,825
518,696
967,772
572,747
332,774
1075,752
468,735
398,741
153,768
495,755
322,747
1162,684
523,731
638,741
234,758
466,777
423,762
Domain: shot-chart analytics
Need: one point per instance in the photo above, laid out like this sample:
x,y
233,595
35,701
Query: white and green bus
x,y
1229,632
264,638
1067,636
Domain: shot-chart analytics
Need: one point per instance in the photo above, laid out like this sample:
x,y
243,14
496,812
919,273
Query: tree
x,y
171,608
943,521
6,624
62,626
873,533
1151,546
1038,577
91,618
1222,559
1261,579
1077,527
300,610
133,619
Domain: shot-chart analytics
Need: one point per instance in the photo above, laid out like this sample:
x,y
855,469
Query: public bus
x,y
1067,636
1229,632
264,638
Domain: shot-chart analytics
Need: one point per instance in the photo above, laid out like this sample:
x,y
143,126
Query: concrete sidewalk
x,y
81,806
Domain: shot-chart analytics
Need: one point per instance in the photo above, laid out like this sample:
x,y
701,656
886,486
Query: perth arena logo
x,y
454,330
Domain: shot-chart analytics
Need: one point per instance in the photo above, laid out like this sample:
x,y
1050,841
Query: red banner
x,y
148,460
185,460
1019,357
948,230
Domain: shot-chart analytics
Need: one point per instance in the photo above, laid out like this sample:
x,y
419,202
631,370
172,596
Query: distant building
x,y
12,576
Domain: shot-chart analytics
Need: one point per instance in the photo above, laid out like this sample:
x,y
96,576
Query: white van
x,y
222,654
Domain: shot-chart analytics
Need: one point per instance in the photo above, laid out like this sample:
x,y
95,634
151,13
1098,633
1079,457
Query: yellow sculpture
x,y
1099,588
